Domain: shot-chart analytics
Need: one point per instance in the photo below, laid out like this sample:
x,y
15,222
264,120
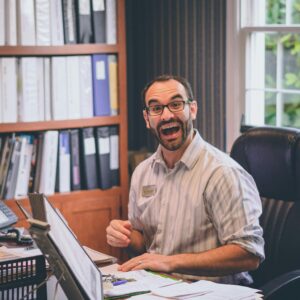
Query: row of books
x,y
58,88
57,22
59,161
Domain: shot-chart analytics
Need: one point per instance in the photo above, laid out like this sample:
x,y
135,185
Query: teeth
x,y
168,126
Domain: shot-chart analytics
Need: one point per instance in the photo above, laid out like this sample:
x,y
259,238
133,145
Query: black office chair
x,y
272,157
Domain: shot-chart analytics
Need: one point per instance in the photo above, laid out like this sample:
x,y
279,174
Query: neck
x,y
172,157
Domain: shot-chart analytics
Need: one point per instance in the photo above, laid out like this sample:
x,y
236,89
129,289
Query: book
x,y
75,160
26,23
40,88
11,22
73,87
9,90
89,172
2,138
69,20
49,163
64,162
24,166
1,92
28,104
84,22
5,161
99,20
2,23
43,26
33,164
101,97
47,89
59,88
37,164
11,180
56,22
113,84
103,157
111,21
86,92
114,155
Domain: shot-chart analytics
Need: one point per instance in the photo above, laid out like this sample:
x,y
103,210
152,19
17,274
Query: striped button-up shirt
x,y
205,201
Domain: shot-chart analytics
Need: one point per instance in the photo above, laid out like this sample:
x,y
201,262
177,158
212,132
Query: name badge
x,y
148,190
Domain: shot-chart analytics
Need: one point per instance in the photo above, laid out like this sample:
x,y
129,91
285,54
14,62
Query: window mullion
x,y
279,85
272,28
288,11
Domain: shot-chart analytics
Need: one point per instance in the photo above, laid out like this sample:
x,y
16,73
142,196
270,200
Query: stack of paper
x,y
99,257
137,282
202,290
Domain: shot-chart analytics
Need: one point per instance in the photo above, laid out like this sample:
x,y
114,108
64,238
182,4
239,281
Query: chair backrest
x,y
272,157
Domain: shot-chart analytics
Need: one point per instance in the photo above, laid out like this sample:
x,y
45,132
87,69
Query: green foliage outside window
x,y
291,64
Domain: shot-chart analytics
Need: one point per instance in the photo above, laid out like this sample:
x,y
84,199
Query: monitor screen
x,y
85,271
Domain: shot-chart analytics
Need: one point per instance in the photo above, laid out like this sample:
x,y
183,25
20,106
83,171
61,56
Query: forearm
x,y
221,261
137,242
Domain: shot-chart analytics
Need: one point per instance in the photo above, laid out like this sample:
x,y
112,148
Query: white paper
x,y
84,7
98,5
89,146
103,145
145,281
206,290
114,152
100,70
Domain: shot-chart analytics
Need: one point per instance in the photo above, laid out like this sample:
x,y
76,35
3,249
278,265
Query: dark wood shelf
x,y
78,49
61,124
88,212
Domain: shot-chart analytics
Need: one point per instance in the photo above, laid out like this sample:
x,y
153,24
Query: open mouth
x,y
169,129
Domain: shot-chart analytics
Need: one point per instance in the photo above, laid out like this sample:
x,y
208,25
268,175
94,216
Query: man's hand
x,y
118,233
150,261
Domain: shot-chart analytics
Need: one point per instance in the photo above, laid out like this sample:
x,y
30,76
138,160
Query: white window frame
x,y
237,41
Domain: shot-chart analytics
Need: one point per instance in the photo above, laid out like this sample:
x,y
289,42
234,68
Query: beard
x,y
175,144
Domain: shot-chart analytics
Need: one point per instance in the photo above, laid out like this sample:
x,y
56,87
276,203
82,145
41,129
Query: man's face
x,y
171,129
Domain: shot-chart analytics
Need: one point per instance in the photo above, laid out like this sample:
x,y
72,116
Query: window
x,y
263,63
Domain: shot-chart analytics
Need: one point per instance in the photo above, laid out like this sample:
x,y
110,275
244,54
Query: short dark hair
x,y
167,77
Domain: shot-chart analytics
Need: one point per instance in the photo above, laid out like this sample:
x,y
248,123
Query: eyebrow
x,y
172,98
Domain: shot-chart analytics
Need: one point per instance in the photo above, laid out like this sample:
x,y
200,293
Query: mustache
x,y
161,123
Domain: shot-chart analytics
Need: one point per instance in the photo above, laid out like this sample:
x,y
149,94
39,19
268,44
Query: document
x,y
99,257
133,282
206,290
18,252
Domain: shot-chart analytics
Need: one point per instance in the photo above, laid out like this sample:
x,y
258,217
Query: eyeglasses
x,y
174,106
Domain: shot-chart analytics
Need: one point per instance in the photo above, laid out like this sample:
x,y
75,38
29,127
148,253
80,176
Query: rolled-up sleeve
x,y
234,206
133,210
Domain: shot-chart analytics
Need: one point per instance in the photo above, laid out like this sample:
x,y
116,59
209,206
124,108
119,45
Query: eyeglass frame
x,y
188,101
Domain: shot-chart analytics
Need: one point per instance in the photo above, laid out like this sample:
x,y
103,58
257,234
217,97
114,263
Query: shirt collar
x,y
189,157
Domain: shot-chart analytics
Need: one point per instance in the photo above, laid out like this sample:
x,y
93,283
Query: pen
x,y
119,282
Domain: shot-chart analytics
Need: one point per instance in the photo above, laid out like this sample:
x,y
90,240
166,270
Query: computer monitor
x,y
78,275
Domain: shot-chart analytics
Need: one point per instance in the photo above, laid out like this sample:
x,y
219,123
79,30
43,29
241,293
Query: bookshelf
x,y
88,212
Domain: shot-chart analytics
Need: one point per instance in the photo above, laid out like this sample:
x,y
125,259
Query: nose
x,y
166,114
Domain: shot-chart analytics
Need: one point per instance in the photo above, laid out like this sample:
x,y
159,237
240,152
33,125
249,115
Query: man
x,y
192,209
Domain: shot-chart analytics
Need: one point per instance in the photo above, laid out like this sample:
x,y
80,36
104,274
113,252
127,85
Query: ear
x,y
146,118
194,109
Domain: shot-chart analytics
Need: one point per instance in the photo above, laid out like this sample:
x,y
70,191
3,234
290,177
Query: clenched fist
x,y
118,233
